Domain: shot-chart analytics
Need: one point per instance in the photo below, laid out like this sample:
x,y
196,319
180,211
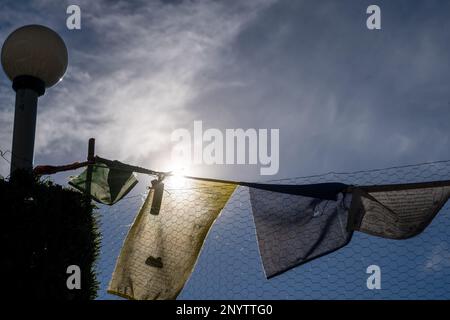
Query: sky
x,y
344,98
353,98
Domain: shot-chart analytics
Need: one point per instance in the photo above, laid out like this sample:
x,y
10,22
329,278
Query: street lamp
x,y
34,58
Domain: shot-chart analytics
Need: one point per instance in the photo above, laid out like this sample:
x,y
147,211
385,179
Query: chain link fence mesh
x,y
229,265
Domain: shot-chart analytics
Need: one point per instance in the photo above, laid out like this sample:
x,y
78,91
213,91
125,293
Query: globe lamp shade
x,y
35,51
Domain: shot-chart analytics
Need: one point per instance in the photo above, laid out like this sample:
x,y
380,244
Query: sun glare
x,y
177,179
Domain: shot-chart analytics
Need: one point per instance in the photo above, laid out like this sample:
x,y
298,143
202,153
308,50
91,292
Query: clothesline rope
x,y
143,170
117,165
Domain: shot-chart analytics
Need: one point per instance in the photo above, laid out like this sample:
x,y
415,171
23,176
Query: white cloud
x,y
132,76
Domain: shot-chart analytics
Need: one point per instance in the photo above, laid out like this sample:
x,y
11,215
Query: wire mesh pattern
x,y
162,247
292,229
229,265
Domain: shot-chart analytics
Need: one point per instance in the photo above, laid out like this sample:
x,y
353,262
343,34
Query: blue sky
x,y
344,98
352,98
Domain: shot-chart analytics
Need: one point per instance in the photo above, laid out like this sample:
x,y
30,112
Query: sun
x,y
177,179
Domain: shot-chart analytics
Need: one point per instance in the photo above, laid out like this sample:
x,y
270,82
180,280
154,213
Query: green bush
x,y
44,229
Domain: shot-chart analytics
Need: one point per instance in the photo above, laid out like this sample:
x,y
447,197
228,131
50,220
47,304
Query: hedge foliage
x,y
45,228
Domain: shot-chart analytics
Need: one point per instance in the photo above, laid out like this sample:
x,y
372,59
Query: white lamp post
x,y
34,57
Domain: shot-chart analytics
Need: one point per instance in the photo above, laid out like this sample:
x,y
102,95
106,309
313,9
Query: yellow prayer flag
x,y
161,249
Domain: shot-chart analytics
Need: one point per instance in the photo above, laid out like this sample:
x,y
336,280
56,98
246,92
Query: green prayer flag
x,y
108,185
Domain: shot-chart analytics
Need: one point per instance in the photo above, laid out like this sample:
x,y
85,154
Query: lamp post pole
x,y
34,58
28,89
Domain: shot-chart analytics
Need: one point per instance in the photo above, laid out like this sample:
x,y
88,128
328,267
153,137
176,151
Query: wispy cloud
x,y
344,98
132,73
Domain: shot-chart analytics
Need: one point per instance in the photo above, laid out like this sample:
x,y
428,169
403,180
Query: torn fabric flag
x,y
296,227
397,211
293,229
108,185
166,237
